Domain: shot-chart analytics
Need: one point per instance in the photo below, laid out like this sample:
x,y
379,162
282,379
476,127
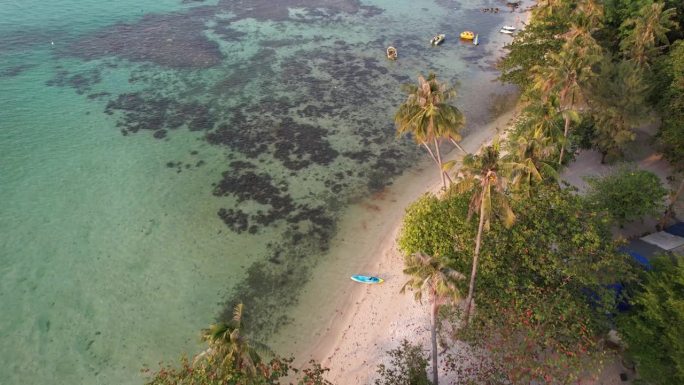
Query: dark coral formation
x,y
296,145
285,115
178,40
15,70
279,10
159,114
81,82
175,41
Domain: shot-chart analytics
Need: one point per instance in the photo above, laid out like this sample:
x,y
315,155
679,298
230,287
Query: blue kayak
x,y
366,279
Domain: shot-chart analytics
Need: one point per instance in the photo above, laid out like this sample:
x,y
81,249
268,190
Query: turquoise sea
x,y
161,160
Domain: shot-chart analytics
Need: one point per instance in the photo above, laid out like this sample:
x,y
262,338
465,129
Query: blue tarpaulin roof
x,y
676,229
641,252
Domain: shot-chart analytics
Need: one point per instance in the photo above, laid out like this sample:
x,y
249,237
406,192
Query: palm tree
x,y
542,116
546,9
527,161
483,176
618,105
589,15
645,31
427,115
429,274
565,75
229,349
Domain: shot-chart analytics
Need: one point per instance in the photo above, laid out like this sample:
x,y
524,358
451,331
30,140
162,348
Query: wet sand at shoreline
x,y
349,327
346,326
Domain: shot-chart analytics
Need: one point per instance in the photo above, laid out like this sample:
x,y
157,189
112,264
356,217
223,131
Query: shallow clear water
x,y
161,160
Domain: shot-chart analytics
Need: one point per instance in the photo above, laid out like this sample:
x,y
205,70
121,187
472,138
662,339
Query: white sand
x,y
347,326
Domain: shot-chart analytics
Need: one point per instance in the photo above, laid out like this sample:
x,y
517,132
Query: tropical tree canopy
x,y
646,33
653,328
627,195
430,274
429,118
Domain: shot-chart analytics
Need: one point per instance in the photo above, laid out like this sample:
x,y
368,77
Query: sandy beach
x,y
346,326
349,327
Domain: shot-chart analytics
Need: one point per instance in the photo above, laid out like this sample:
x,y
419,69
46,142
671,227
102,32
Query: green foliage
x,y
653,329
543,337
427,115
528,50
431,275
439,228
627,195
672,106
618,105
277,371
536,271
645,34
233,359
584,135
408,366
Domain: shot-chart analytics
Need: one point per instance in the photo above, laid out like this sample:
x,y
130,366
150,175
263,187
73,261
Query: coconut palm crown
x,y
429,118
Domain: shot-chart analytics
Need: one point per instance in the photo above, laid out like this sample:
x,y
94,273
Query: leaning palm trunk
x,y
670,207
476,256
439,163
565,138
433,332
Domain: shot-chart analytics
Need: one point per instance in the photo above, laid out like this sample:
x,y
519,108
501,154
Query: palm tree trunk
x,y
432,154
439,163
433,335
565,138
670,206
455,143
476,255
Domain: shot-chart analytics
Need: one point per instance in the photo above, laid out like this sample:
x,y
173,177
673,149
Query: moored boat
x,y
476,40
391,53
506,31
468,35
508,28
437,39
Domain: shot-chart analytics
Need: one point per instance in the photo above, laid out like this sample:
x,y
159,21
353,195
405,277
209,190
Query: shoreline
x,y
348,327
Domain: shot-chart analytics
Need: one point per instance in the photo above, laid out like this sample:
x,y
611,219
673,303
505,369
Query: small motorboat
x,y
506,31
508,28
476,40
391,53
467,35
437,39
367,279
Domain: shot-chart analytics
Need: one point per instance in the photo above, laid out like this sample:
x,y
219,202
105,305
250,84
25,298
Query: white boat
x,y
508,28
438,39
506,31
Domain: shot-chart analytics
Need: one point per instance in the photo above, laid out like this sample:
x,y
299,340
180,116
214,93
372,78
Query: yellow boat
x,y
391,53
467,35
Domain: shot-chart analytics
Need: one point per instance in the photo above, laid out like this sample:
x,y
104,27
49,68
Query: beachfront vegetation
x,y
481,177
542,282
432,275
627,195
233,359
653,328
408,366
589,72
430,119
544,296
